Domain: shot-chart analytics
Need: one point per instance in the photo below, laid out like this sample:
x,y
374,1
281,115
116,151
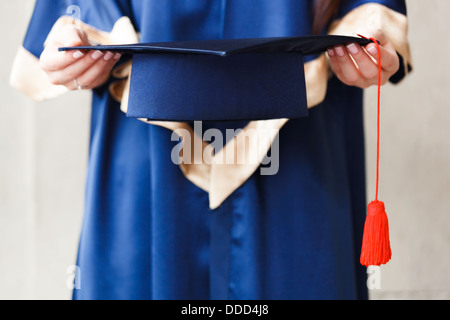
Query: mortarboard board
x,y
227,79
239,79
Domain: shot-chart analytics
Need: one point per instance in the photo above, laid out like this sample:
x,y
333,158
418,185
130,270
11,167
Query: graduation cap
x,y
239,79
227,79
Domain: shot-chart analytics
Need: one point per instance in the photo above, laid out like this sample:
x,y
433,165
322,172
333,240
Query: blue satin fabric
x,y
148,232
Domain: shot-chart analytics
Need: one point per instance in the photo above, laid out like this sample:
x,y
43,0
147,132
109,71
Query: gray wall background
x,y
43,156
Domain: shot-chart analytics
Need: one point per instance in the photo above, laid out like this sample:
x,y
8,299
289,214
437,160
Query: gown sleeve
x,y
387,15
104,21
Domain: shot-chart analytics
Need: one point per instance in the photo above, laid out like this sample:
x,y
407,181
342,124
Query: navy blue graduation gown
x,y
148,232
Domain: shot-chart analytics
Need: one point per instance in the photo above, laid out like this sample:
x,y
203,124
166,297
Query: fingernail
x,y
330,52
108,56
117,56
372,49
352,48
339,51
78,54
97,54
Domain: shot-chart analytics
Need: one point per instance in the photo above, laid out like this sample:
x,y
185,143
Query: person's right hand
x,y
87,69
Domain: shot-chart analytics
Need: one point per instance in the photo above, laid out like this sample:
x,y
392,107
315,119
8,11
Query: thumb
x,y
72,36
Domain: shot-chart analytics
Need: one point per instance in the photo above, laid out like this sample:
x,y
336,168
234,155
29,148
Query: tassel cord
x,y
378,113
376,245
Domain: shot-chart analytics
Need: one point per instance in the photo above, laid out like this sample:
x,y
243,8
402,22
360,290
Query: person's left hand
x,y
355,66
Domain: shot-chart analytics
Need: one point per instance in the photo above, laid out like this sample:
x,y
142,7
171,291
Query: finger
x,y
97,73
334,64
73,85
52,59
75,69
350,74
389,58
366,65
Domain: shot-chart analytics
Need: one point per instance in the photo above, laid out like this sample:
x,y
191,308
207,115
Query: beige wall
x,y
43,153
415,168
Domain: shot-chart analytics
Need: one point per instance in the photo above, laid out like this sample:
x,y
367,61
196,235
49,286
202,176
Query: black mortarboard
x,y
229,79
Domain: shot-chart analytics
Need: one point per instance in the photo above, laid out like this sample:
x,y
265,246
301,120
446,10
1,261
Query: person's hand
x,y
357,66
75,69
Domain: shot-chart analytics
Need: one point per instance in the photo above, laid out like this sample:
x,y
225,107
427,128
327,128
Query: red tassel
x,y
376,247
